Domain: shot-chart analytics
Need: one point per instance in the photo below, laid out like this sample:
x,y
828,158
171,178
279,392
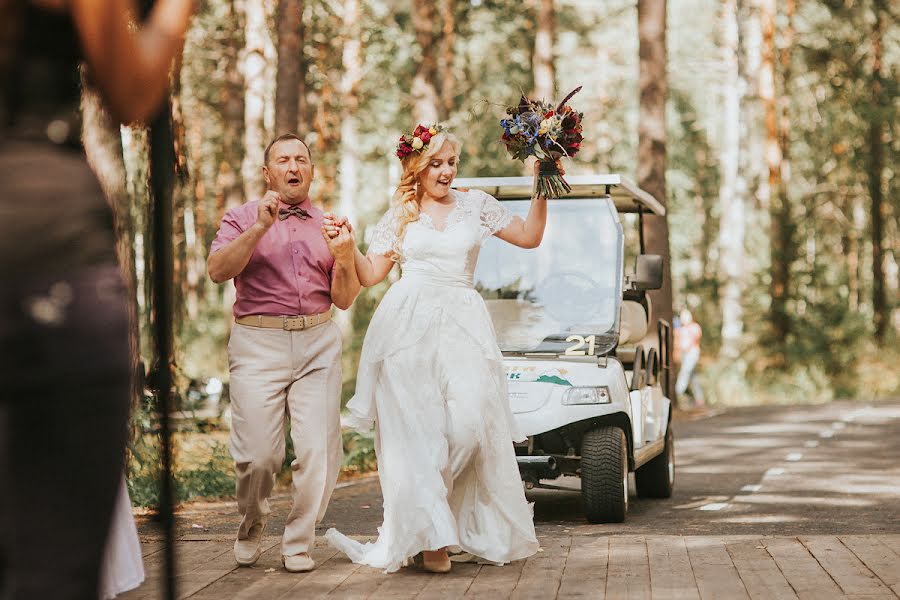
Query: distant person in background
x,y
65,372
687,354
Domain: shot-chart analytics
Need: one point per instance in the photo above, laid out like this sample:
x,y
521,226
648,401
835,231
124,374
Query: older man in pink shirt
x,y
284,353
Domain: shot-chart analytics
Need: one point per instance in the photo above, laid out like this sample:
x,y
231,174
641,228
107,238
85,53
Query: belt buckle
x,y
289,323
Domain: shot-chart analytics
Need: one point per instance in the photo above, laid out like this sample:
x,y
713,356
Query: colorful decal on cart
x,y
531,374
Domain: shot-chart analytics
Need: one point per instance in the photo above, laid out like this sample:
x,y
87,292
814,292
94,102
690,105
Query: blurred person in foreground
x,y
65,369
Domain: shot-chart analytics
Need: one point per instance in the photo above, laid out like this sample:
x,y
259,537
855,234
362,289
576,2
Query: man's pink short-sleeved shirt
x,y
290,270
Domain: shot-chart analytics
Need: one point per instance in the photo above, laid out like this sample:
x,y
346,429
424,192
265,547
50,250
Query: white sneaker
x,y
247,551
298,563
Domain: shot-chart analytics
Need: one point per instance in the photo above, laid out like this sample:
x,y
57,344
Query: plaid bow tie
x,y
284,213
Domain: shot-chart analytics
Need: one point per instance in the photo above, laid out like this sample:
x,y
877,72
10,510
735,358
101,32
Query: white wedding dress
x,y
431,377
123,567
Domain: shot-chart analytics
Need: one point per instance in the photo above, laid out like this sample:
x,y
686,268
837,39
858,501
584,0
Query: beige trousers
x,y
274,372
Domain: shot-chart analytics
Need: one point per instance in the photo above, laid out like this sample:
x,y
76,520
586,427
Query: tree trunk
x,y
424,90
258,51
542,57
448,57
731,198
352,75
349,160
651,170
768,97
780,216
229,187
753,172
184,301
327,127
876,167
289,83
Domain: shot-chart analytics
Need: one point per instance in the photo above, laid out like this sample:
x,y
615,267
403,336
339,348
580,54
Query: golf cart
x,y
587,370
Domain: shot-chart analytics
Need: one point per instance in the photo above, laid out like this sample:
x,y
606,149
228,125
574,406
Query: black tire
x,y
604,475
656,479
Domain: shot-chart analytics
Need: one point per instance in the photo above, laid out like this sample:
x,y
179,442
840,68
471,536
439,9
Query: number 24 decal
x,y
576,350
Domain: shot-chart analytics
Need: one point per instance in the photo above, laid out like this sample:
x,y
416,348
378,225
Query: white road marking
x,y
794,456
714,506
811,444
751,488
827,433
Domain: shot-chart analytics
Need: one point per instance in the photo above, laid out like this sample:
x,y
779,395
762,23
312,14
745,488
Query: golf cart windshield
x,y
571,285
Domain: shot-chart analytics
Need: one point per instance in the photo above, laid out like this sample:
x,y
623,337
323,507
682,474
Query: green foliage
x,y
829,107
214,479
359,454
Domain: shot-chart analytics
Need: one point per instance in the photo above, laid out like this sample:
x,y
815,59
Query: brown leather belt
x,y
288,323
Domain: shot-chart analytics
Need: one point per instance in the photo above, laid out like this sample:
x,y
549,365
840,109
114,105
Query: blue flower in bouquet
x,y
540,129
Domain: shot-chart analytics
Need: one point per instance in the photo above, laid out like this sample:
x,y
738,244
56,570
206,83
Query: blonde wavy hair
x,y
406,199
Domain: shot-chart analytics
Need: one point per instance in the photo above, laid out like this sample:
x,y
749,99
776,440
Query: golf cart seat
x,y
634,321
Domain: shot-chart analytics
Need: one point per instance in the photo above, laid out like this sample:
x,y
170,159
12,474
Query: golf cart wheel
x,y
604,475
657,478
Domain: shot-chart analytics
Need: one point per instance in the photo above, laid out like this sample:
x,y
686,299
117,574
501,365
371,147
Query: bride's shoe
x,y
435,561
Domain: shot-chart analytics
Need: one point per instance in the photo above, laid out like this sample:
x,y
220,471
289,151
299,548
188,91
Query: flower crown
x,y
418,140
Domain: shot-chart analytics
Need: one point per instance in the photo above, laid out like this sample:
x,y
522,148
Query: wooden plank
x,y
628,573
806,576
585,572
319,583
362,584
189,556
671,575
843,566
430,586
493,582
891,541
714,572
877,557
266,579
761,576
211,571
240,578
151,547
542,572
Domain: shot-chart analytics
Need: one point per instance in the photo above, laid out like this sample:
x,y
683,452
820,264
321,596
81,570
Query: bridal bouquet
x,y
537,128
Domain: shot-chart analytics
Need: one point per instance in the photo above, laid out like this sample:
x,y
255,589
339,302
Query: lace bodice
x,y
451,252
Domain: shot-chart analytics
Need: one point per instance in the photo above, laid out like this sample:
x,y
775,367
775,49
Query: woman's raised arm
x,y
130,64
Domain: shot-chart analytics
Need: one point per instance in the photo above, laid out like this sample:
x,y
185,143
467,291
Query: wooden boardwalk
x,y
582,566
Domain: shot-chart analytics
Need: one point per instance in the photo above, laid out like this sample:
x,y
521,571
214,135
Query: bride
x,y
431,374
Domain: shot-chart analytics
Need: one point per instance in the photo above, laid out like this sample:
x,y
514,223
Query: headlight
x,y
586,395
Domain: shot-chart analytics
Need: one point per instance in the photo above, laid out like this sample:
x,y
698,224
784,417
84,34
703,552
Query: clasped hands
x,y
339,235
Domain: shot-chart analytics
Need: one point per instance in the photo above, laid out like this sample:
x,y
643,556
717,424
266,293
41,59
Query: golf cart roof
x,y
626,195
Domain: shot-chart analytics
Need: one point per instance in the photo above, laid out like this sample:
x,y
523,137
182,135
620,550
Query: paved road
x,y
829,469
777,502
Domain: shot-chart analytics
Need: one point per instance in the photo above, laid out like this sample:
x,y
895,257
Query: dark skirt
x,y
64,373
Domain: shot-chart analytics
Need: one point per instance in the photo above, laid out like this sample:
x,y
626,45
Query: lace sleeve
x,y
384,234
494,216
